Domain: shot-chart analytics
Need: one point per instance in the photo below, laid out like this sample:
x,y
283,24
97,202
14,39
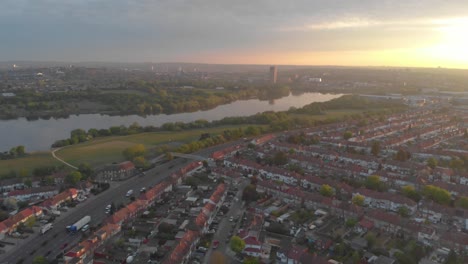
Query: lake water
x,y
38,135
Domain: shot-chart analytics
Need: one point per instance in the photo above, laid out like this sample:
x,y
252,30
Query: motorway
x,y
94,206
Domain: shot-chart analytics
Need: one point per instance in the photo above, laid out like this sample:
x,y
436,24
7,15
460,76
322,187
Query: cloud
x,y
171,29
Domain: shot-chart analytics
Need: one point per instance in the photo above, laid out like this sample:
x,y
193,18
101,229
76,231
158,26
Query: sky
x,y
426,33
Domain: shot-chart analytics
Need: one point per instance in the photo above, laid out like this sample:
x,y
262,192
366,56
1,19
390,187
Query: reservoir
x,y
38,135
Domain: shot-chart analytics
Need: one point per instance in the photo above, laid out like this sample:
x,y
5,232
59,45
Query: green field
x,y
28,163
103,151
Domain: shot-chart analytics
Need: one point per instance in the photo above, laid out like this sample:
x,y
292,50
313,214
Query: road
x,y
223,234
95,207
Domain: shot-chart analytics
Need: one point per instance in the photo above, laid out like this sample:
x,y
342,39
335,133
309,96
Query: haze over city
x,y
432,33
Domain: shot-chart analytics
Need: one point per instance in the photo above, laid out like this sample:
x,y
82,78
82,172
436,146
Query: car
x,y
143,189
129,193
231,219
48,252
202,249
215,244
85,228
64,246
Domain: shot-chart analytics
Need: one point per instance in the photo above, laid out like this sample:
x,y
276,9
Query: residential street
x,y
94,207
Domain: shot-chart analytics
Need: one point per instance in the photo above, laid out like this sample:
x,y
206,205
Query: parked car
x,y
215,244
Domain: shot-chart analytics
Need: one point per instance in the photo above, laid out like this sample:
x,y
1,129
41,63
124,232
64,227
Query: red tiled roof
x,y
250,240
61,197
366,223
385,217
126,165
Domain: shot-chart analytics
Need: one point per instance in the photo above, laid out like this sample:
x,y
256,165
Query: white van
x,y
129,193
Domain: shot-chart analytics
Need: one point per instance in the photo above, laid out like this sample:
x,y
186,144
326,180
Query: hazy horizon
x,y
433,33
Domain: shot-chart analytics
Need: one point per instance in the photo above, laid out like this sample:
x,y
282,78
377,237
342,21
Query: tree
x,y
30,222
49,180
351,222
40,260
134,151
463,202
411,193
28,183
452,258
22,204
326,190
356,257
437,194
86,170
280,158
218,258
73,177
347,135
169,155
20,150
237,244
358,199
249,193
375,149
457,164
403,211
10,203
373,182
402,155
140,162
371,239
432,163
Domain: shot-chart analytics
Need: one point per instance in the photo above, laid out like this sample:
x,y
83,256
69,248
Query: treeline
x,y
15,152
348,102
40,172
275,121
146,99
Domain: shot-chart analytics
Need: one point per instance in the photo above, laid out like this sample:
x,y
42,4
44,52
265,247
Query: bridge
x,y
188,156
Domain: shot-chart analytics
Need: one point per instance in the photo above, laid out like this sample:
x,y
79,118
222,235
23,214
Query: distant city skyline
x,y
410,33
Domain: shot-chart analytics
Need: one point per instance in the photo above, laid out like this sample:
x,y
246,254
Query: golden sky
x,y
427,33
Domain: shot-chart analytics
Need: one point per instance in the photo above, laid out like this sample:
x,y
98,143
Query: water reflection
x,y
39,134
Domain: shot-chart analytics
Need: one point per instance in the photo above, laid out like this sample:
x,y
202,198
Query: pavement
x,y
94,206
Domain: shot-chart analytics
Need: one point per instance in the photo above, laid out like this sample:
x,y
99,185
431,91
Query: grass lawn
x,y
106,150
29,163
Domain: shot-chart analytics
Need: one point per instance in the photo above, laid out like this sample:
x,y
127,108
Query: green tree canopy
x,y
347,135
134,151
432,163
249,193
411,193
237,244
375,183
40,260
375,149
437,194
280,158
326,190
358,200
73,177
86,170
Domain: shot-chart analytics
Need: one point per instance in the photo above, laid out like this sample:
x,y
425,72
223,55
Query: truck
x,y
46,228
79,224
